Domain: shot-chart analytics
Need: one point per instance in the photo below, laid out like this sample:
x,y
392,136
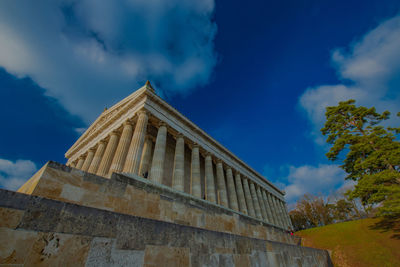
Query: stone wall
x,y
36,231
133,195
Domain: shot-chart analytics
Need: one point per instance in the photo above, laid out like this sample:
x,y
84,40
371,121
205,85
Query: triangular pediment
x,y
109,114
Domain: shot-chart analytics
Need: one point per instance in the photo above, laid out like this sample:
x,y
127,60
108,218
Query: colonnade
x,y
131,150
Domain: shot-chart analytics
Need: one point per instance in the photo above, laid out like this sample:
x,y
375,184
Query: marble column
x,y
273,210
222,197
289,220
146,157
209,175
195,181
178,176
134,155
284,213
267,207
97,157
255,201
122,148
157,165
261,203
72,164
249,199
81,160
278,213
88,160
233,203
240,193
108,154
283,218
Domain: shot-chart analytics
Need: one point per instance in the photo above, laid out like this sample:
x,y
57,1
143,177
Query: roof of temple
x,y
109,115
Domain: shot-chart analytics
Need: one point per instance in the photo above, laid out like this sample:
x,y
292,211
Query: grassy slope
x,y
355,243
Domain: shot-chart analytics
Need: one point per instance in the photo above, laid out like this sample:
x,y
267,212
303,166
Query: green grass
x,y
355,243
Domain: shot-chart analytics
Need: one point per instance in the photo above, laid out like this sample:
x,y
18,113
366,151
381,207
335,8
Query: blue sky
x,y
256,76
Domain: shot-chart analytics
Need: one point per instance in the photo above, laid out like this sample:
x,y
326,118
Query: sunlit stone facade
x,y
143,135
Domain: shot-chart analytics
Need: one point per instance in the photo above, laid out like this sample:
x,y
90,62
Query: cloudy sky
x,y
256,76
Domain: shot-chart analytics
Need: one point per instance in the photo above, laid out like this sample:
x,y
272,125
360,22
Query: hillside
x,y
355,243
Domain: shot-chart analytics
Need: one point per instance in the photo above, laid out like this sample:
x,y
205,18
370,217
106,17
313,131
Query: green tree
x,y
372,154
311,211
342,210
299,220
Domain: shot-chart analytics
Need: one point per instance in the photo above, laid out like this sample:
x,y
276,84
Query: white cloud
x,y
370,71
322,179
14,174
90,54
80,130
347,185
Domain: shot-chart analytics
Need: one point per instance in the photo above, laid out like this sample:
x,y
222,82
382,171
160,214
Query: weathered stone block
x,y
48,188
14,245
72,193
54,249
100,252
76,219
76,235
103,253
137,196
41,215
13,200
241,260
156,256
10,218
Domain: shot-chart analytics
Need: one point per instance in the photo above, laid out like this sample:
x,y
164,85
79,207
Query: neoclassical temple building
x,y
144,186
145,136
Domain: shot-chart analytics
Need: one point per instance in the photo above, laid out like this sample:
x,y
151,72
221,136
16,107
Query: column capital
x,y
236,172
92,149
128,122
149,137
218,160
207,154
247,178
190,143
194,145
179,135
115,132
143,112
162,123
103,142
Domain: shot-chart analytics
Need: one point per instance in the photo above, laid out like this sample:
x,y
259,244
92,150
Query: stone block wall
x,y
35,231
133,195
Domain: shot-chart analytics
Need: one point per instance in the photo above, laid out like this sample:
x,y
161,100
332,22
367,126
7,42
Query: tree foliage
x,y
315,210
372,153
312,211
